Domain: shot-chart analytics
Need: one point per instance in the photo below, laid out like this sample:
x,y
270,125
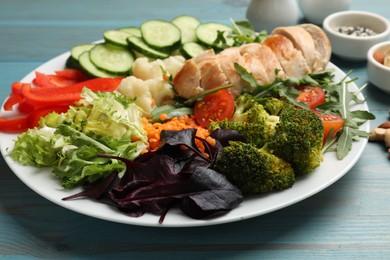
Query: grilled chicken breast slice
x,y
292,60
187,80
267,57
321,43
227,58
302,41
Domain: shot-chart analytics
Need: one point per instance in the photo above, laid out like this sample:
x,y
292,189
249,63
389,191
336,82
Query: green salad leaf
x,y
102,123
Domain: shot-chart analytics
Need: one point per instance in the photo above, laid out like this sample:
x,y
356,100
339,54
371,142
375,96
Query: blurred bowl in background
x,y
269,14
353,33
315,11
377,72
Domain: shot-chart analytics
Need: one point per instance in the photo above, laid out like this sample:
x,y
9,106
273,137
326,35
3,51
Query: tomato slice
x,y
312,96
331,121
214,107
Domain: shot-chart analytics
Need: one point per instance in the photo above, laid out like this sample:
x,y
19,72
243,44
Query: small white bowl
x,y
377,73
354,47
316,11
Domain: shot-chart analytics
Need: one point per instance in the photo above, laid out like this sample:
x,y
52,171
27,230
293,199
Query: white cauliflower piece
x,y
162,92
144,69
133,87
173,64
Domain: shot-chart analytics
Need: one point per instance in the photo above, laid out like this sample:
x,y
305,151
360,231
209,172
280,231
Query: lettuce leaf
x,y
102,123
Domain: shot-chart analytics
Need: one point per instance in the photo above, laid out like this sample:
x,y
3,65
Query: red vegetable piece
x,y
312,96
53,96
35,116
13,125
45,80
214,107
74,74
330,121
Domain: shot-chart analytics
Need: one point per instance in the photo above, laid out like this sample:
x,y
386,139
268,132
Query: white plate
x,y
42,183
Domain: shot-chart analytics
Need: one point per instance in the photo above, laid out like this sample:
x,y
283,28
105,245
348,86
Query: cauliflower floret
x,y
162,92
173,64
133,87
145,69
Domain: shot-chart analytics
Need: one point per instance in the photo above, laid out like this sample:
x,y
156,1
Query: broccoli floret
x,y
274,105
290,133
242,105
251,120
298,139
254,170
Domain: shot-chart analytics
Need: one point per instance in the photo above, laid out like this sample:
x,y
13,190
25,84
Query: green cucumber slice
x,y
139,45
91,69
207,33
161,35
116,37
132,30
112,58
187,25
191,49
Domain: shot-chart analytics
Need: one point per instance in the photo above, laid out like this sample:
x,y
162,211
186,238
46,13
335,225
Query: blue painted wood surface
x,y
348,220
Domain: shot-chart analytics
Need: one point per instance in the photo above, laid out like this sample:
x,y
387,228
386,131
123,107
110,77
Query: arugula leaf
x,y
341,101
243,32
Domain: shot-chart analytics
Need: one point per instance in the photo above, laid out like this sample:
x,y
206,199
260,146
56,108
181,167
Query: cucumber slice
x,y
77,50
161,35
112,58
132,30
139,45
91,69
116,37
187,25
207,33
191,49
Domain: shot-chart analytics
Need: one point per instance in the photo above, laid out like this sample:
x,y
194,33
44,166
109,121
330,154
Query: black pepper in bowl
x,y
355,30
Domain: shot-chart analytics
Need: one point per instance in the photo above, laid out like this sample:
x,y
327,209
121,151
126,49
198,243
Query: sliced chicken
x,y
321,43
293,62
187,80
212,74
227,58
288,52
302,41
267,57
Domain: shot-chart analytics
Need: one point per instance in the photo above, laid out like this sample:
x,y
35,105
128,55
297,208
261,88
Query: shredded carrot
x,y
153,130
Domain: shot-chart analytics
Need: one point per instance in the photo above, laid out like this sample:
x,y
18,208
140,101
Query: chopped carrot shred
x,y
153,130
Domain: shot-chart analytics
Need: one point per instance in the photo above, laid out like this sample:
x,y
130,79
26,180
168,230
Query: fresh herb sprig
x,y
242,33
341,101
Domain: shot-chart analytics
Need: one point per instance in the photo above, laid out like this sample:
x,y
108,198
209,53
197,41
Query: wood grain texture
x,y
348,220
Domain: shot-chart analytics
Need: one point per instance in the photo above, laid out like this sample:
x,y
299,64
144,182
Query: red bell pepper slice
x,y
15,96
67,95
34,117
14,125
12,100
74,74
25,107
51,81
23,123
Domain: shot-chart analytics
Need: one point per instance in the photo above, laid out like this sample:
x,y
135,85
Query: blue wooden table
x,y
348,220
